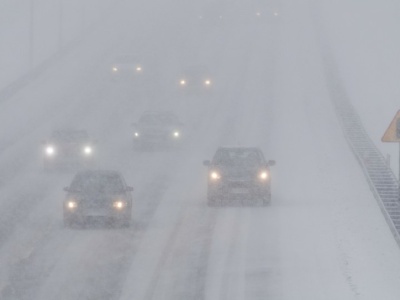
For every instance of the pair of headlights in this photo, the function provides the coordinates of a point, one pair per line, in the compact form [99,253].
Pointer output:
[118,205]
[215,175]
[175,134]
[137,68]
[207,82]
[51,150]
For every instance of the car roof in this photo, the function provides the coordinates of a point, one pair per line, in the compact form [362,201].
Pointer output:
[239,148]
[90,173]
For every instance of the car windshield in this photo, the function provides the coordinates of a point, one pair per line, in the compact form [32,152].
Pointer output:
[158,119]
[69,136]
[237,157]
[97,183]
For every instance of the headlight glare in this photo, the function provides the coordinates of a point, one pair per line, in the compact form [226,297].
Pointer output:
[182,82]
[87,150]
[50,150]
[214,175]
[263,175]
[119,204]
[72,204]
[114,69]
[176,134]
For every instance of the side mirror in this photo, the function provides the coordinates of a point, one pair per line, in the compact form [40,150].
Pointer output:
[207,163]
[271,163]
[129,189]
[66,189]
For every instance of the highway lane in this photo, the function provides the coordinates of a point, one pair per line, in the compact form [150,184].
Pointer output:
[307,242]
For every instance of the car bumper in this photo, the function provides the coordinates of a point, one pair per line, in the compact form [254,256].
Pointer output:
[238,189]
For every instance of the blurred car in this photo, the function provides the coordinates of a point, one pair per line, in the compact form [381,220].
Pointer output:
[239,173]
[213,13]
[68,148]
[256,10]
[95,194]
[196,79]
[126,66]
[157,129]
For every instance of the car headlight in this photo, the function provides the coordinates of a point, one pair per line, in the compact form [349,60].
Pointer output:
[136,134]
[263,175]
[114,69]
[138,69]
[182,82]
[119,204]
[214,175]
[50,150]
[176,134]
[207,82]
[88,150]
[276,14]
[72,204]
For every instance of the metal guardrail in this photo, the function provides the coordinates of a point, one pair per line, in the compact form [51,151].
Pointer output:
[382,181]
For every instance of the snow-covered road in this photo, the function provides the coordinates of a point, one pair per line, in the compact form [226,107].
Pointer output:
[323,236]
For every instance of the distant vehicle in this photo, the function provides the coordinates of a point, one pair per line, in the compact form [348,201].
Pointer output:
[196,78]
[68,148]
[127,66]
[239,173]
[256,10]
[213,13]
[97,194]
[157,129]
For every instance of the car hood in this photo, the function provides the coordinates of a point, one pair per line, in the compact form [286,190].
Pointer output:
[153,128]
[238,172]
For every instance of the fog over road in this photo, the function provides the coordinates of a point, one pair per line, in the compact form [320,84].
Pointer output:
[322,237]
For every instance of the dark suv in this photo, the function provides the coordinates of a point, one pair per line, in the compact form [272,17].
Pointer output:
[239,173]
[157,129]
[68,147]
[97,194]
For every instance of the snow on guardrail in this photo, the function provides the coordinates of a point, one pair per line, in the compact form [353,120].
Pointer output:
[381,179]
